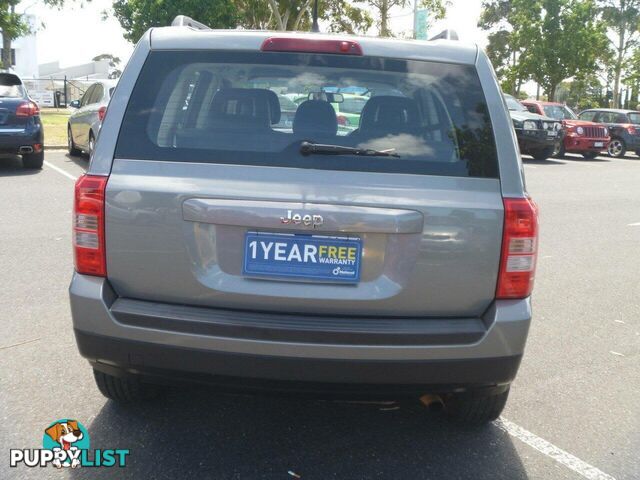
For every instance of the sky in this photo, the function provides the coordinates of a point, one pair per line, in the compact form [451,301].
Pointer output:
[77,33]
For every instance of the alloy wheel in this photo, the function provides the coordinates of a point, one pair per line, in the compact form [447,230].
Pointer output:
[615,148]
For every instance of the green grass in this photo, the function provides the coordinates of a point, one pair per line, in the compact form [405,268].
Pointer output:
[54,121]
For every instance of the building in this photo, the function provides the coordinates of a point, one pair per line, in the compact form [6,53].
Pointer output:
[24,52]
[85,71]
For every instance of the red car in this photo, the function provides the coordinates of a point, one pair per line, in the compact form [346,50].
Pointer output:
[585,138]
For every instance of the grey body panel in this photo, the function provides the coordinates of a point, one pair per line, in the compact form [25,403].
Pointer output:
[507,324]
[449,267]
[335,218]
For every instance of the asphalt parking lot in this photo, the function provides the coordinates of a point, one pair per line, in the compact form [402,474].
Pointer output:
[574,410]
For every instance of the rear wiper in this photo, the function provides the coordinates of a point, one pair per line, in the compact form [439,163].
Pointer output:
[308,148]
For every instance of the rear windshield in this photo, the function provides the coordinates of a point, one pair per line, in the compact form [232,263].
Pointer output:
[253,108]
[559,112]
[635,118]
[10,86]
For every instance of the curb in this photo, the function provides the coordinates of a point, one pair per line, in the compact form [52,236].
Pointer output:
[55,147]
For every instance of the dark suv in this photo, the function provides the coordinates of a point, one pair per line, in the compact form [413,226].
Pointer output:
[623,125]
[538,135]
[20,127]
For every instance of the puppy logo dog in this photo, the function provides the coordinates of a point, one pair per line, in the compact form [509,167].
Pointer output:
[65,434]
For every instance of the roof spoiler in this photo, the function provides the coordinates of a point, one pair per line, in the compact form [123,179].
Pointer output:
[447,34]
[184,21]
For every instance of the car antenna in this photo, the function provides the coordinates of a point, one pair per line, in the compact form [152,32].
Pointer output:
[314,26]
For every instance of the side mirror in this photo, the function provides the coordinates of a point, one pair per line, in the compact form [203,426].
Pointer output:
[75,104]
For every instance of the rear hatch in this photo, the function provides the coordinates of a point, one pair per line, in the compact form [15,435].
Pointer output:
[213,201]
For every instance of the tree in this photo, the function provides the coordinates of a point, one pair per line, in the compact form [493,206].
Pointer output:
[570,41]
[622,17]
[548,41]
[509,43]
[114,63]
[137,16]
[437,9]
[15,25]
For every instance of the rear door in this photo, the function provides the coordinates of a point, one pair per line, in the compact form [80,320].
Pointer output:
[209,191]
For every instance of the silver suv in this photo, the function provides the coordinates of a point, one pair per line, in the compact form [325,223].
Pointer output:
[215,243]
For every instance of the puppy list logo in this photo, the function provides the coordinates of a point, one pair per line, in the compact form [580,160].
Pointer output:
[66,444]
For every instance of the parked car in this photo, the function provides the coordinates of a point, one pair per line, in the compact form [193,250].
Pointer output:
[21,131]
[538,135]
[349,110]
[623,126]
[580,136]
[84,123]
[394,260]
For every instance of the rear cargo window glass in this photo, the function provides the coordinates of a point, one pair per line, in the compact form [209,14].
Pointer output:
[253,108]
[10,86]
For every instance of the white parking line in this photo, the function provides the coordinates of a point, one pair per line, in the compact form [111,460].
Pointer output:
[60,171]
[637,224]
[550,450]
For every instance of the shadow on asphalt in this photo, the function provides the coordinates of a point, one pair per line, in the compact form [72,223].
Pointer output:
[80,160]
[11,166]
[203,434]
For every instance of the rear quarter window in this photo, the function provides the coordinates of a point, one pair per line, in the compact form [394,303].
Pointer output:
[254,108]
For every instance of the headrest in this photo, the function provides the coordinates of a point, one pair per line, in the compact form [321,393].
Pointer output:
[315,117]
[389,114]
[248,107]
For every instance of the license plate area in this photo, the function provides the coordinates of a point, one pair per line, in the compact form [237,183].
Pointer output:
[598,144]
[305,257]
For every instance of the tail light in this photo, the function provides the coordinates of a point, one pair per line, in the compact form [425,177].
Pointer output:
[27,109]
[88,225]
[102,111]
[311,45]
[519,248]
[342,120]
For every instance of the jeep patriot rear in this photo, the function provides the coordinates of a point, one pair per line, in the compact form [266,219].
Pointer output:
[215,242]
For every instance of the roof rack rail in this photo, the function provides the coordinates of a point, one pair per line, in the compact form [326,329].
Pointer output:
[184,21]
[447,34]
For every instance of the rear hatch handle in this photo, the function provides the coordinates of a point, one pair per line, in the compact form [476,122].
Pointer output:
[299,216]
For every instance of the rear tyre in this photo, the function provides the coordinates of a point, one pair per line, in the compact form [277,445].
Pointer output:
[616,148]
[124,390]
[71,146]
[475,409]
[590,155]
[33,161]
[543,153]
[92,144]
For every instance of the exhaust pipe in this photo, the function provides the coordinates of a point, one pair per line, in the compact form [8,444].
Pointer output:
[26,149]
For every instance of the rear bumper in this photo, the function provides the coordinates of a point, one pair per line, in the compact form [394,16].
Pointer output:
[124,337]
[10,142]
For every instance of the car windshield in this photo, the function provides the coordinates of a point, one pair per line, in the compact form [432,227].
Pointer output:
[11,86]
[513,104]
[257,109]
[634,117]
[559,112]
